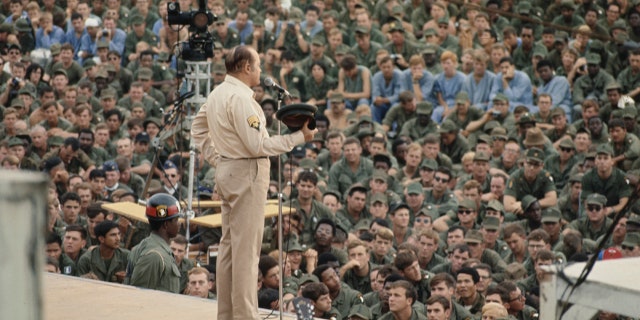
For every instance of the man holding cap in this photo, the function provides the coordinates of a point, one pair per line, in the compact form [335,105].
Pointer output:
[530,180]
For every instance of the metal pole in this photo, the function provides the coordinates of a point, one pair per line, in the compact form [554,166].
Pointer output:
[280,235]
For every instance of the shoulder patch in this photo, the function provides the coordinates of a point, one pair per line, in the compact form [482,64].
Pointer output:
[254,122]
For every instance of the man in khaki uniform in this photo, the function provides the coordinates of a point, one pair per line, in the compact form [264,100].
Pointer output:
[230,132]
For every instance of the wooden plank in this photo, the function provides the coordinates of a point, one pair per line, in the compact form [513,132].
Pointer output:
[68,297]
[215,220]
[136,212]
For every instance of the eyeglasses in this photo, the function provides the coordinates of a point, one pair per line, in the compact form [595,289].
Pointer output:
[465,212]
[565,149]
[594,208]
[443,180]
[421,220]
[520,297]
[630,248]
[490,230]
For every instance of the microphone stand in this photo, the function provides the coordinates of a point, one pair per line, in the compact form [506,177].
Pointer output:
[281,96]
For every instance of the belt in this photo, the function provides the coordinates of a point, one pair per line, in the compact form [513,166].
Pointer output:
[253,158]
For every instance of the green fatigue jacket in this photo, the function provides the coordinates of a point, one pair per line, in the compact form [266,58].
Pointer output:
[68,266]
[398,116]
[555,135]
[387,259]
[494,260]
[614,187]
[518,186]
[267,41]
[486,185]
[528,313]
[630,148]
[319,91]
[473,114]
[512,258]
[529,283]
[341,177]
[414,316]
[136,183]
[476,307]
[342,256]
[443,267]
[498,164]
[368,58]
[306,63]
[63,124]
[74,71]
[310,219]
[444,204]
[132,40]
[103,269]
[408,49]
[184,267]
[346,299]
[552,165]
[98,155]
[629,81]
[346,221]
[412,129]
[152,266]
[588,230]
[502,249]
[370,299]
[81,160]
[585,85]
[360,284]
[324,160]
[295,80]
[522,58]
[151,106]
[420,16]
[435,261]
[459,312]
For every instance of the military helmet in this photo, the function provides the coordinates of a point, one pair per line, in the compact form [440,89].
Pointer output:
[162,207]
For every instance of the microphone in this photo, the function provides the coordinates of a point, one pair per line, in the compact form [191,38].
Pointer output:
[270,83]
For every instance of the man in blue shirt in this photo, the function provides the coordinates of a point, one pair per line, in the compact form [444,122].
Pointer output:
[75,34]
[385,88]
[514,84]
[242,25]
[556,86]
[48,33]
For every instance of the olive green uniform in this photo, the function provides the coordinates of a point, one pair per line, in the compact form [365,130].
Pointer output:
[360,284]
[587,229]
[412,129]
[369,58]
[561,177]
[310,219]
[586,85]
[341,177]
[346,299]
[105,270]
[518,186]
[629,81]
[132,40]
[630,148]
[152,266]
[74,72]
[613,188]
[398,116]
[80,161]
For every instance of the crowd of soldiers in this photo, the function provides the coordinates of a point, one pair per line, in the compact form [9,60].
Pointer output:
[461,144]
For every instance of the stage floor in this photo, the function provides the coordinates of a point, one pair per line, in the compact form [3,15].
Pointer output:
[75,298]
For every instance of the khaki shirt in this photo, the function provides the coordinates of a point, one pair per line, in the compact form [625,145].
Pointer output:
[236,128]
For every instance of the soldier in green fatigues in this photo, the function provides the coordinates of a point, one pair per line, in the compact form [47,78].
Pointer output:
[530,180]
[422,125]
[452,142]
[400,45]
[595,223]
[468,296]
[107,261]
[350,169]
[144,75]
[310,210]
[626,146]
[356,271]
[629,78]
[606,180]
[179,247]
[560,165]
[151,263]
[73,158]
[400,113]
[343,298]
[140,33]
[365,48]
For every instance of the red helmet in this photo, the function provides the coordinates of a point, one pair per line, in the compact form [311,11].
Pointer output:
[162,206]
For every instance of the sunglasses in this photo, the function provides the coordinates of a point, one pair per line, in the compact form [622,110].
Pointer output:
[465,212]
[565,149]
[594,208]
[421,220]
[627,248]
[443,180]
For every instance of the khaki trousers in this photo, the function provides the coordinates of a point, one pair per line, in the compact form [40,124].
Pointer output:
[242,185]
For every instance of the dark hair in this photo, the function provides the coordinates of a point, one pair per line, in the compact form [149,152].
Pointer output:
[404,259]
[312,8]
[266,297]
[470,271]
[95,209]
[314,290]
[53,238]
[447,278]
[112,112]
[77,228]
[237,58]
[321,269]
[34,67]
[76,16]
[288,56]
[326,221]
[103,228]
[348,62]
[86,130]
[506,59]
[504,295]
[70,196]
[617,123]
[410,290]
[308,176]
[380,222]
[97,173]
[319,64]
[446,304]
[544,63]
